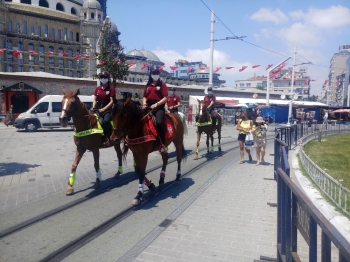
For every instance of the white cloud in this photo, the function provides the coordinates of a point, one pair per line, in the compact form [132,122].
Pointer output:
[300,34]
[267,15]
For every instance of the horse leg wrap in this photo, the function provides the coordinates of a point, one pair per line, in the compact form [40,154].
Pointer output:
[72,178]
[197,151]
[147,182]
[178,172]
[120,170]
[140,188]
[212,148]
[99,175]
[134,163]
[162,173]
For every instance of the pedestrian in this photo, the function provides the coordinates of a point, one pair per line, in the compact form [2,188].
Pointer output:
[325,118]
[259,132]
[244,126]
[173,101]
[155,97]
[103,102]
[209,100]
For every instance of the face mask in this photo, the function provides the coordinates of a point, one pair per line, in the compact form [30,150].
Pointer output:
[103,80]
[155,77]
[171,93]
[210,93]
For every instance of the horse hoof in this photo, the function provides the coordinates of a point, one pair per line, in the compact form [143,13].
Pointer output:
[69,190]
[152,188]
[178,180]
[195,156]
[161,181]
[117,175]
[137,200]
[97,184]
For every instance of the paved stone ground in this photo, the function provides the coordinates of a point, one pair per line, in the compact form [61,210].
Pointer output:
[230,221]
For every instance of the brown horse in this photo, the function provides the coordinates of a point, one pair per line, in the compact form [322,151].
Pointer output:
[131,122]
[87,136]
[205,126]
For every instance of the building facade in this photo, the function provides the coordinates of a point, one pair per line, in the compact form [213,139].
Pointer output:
[53,36]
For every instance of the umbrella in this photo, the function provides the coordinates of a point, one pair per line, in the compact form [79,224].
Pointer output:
[342,111]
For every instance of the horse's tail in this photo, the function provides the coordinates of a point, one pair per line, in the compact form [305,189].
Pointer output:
[125,151]
[185,126]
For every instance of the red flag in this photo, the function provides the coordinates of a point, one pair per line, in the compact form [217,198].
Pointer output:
[313,80]
[144,66]
[118,62]
[50,53]
[131,64]
[32,52]
[325,82]
[100,62]
[272,76]
[87,57]
[77,57]
[229,67]
[217,69]
[189,70]
[16,53]
[243,67]
[1,51]
[255,66]
[202,68]
[305,81]
[268,66]
[173,67]
[161,67]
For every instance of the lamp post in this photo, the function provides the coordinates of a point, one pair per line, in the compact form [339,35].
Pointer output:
[291,89]
[268,80]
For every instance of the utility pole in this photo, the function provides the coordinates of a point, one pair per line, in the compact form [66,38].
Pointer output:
[211,48]
[291,89]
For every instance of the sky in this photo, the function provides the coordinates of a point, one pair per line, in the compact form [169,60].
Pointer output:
[180,29]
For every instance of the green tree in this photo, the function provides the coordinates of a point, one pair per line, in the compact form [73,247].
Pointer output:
[313,98]
[111,56]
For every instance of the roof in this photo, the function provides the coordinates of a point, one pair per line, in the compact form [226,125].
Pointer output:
[21,87]
[43,74]
[149,55]
[94,4]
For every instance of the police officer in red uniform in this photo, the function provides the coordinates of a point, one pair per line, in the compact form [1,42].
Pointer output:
[103,102]
[173,101]
[209,101]
[155,97]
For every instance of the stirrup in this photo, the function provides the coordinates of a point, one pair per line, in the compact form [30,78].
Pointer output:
[106,142]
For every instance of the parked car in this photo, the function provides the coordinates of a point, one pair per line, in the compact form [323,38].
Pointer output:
[45,113]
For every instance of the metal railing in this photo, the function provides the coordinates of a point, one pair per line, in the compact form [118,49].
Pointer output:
[329,186]
[296,212]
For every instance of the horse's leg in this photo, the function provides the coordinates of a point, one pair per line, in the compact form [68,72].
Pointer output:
[212,143]
[78,155]
[197,144]
[165,158]
[120,160]
[207,142]
[179,151]
[141,164]
[219,137]
[96,154]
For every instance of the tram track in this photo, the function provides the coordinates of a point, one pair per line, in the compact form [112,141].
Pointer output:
[48,214]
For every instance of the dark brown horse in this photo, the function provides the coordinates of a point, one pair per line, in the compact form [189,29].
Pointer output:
[131,122]
[87,136]
[205,126]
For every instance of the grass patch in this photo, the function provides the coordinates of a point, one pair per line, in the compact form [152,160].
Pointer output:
[332,155]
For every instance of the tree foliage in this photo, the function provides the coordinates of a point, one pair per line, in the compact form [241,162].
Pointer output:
[111,57]
[313,98]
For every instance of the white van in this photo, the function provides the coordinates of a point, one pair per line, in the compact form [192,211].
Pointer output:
[45,113]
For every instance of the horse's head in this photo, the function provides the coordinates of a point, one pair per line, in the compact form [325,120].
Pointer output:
[202,109]
[125,115]
[70,103]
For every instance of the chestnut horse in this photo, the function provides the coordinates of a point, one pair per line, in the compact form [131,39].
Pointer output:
[85,120]
[205,126]
[131,122]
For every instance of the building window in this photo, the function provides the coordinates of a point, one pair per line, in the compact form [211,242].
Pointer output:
[70,73]
[32,32]
[46,30]
[92,15]
[51,61]
[31,59]
[18,28]
[39,30]
[24,27]
[73,11]
[241,85]
[249,84]
[9,26]
[60,62]
[78,74]
[31,69]
[78,64]
[51,49]
[20,68]
[52,33]
[28,2]
[9,44]
[41,60]
[20,46]
[84,15]
[70,52]
[77,37]
[42,69]
[51,70]
[41,49]
[70,63]
[59,36]
[44,3]
[65,33]
[99,17]
[70,36]
[59,7]
[9,68]
[60,50]
[30,47]
[60,72]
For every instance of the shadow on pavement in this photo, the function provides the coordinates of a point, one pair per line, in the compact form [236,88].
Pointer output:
[12,168]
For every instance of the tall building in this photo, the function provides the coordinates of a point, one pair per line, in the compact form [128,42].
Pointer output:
[103,4]
[57,37]
[338,73]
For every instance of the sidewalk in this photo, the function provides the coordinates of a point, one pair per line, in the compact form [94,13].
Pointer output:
[229,221]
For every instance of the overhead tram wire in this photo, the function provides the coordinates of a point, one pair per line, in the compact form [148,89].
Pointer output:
[256,44]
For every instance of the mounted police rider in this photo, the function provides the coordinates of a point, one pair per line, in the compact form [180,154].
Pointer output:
[103,102]
[209,101]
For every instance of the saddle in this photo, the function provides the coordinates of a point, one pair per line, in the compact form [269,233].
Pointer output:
[151,123]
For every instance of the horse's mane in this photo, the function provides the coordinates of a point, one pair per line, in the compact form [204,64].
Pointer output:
[204,111]
[134,109]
